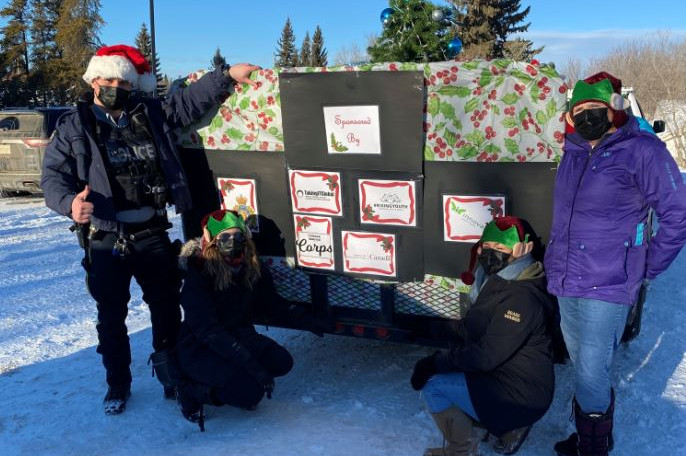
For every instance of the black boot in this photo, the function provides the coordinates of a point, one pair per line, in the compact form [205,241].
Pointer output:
[115,399]
[191,407]
[595,430]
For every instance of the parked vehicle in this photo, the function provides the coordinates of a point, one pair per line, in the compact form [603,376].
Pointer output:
[24,134]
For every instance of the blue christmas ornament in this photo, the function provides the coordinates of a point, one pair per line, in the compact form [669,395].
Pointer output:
[386,15]
[454,47]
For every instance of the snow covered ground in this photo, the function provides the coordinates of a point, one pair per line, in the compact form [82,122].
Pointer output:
[345,396]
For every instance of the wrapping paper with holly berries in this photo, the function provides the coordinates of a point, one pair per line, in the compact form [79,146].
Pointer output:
[477,110]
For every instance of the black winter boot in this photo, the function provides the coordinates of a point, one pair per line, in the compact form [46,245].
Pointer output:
[594,433]
[115,399]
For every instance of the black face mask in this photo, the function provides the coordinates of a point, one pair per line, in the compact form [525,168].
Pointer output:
[493,260]
[592,124]
[113,98]
[231,245]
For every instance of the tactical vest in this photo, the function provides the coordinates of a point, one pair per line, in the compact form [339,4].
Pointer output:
[133,164]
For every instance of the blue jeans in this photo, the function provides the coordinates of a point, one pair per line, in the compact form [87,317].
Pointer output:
[446,390]
[592,330]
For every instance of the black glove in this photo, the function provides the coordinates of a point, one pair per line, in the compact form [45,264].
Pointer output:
[423,370]
[262,377]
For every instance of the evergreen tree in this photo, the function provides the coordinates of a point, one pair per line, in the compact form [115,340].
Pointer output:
[411,35]
[476,18]
[306,52]
[486,26]
[144,44]
[318,51]
[15,56]
[44,51]
[218,60]
[286,54]
[77,39]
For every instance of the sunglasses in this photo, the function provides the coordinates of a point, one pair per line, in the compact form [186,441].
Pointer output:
[225,241]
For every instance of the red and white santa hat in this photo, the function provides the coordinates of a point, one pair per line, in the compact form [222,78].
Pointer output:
[121,62]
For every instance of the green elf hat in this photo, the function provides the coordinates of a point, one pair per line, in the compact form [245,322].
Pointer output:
[508,231]
[601,91]
[218,221]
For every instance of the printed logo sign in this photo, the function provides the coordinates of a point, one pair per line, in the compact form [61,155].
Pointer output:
[352,129]
[464,217]
[315,192]
[369,253]
[313,242]
[238,195]
[387,202]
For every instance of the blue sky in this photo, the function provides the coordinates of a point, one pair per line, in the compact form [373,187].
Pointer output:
[188,32]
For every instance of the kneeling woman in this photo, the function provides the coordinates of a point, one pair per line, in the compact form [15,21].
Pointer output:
[222,358]
[499,373]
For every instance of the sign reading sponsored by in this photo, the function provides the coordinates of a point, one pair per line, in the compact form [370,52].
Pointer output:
[369,253]
[464,217]
[314,242]
[352,130]
[315,192]
[387,202]
[239,195]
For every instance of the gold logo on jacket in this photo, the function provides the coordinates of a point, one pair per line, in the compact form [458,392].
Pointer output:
[514,316]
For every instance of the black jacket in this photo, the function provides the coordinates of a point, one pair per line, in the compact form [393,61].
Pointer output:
[217,334]
[503,345]
[71,158]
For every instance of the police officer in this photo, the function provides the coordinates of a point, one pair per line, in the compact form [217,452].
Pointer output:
[113,168]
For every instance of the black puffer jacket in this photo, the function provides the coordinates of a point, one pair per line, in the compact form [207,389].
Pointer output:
[503,345]
[217,335]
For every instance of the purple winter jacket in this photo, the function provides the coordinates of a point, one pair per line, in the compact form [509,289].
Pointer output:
[598,244]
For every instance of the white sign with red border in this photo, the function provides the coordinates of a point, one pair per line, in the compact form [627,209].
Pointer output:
[387,202]
[315,192]
[239,195]
[352,130]
[464,217]
[369,253]
[314,242]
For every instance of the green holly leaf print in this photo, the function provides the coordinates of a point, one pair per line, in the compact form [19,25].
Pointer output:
[457,124]
[551,109]
[522,76]
[477,137]
[511,146]
[541,118]
[523,114]
[245,103]
[471,105]
[408,66]
[471,65]
[217,122]
[535,91]
[428,153]
[244,146]
[261,101]
[491,149]
[467,152]
[486,77]
[455,91]
[449,137]
[234,133]
[502,63]
[510,122]
[433,106]
[448,110]
[510,99]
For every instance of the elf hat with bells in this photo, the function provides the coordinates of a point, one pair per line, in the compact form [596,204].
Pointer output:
[508,231]
[604,88]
